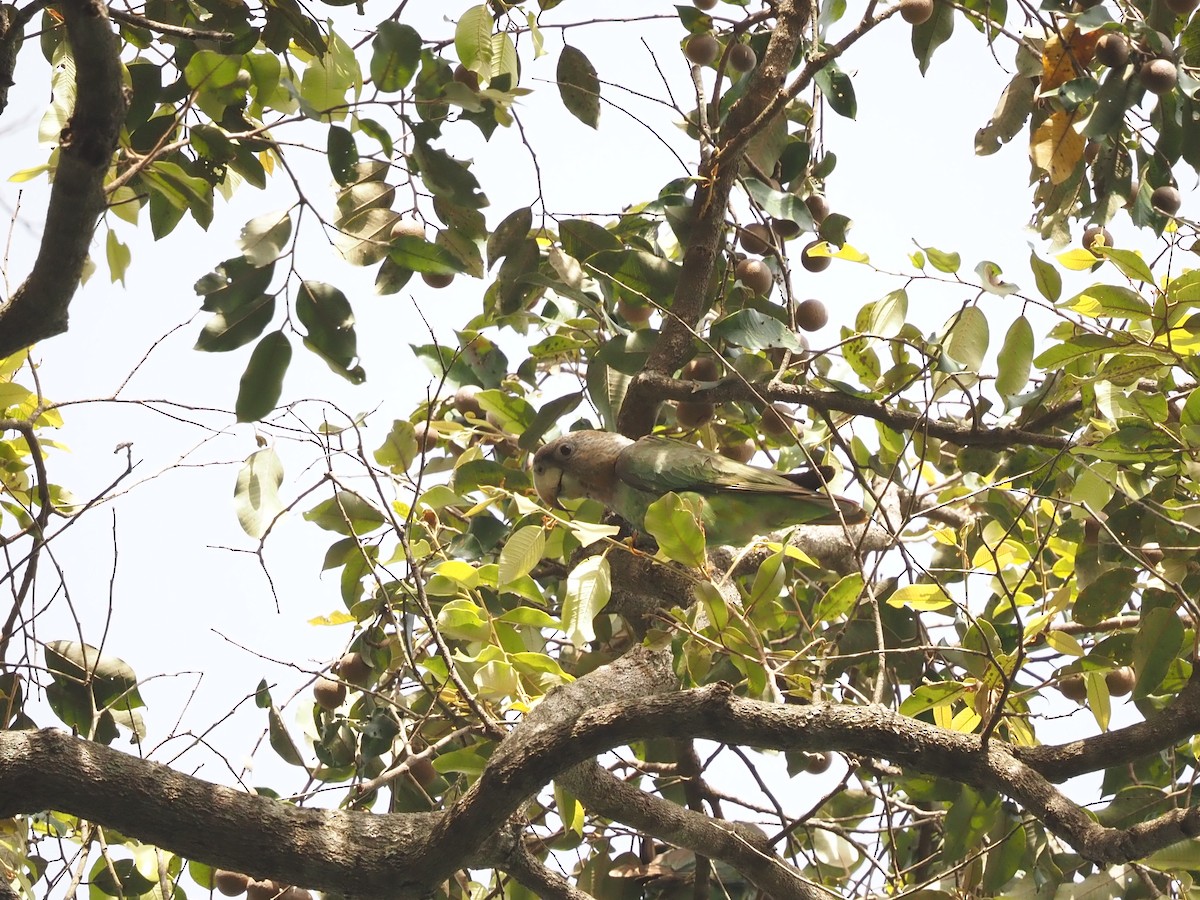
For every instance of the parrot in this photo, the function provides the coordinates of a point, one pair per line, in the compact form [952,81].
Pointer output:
[737,502]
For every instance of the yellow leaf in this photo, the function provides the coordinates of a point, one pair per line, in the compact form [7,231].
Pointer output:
[1056,147]
[921,597]
[1077,260]
[1064,643]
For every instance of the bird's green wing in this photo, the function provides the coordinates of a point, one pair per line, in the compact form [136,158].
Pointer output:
[655,465]
[659,464]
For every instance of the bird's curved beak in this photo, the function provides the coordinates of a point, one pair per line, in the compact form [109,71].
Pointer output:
[547,481]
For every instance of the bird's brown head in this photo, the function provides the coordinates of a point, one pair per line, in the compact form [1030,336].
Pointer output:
[578,464]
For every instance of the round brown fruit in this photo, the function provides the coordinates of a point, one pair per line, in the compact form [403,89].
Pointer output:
[786,228]
[1152,552]
[702,368]
[694,413]
[1091,150]
[704,4]
[1113,50]
[1073,687]
[811,315]
[463,75]
[635,313]
[818,207]
[813,263]
[407,228]
[465,402]
[756,276]
[1096,232]
[1182,7]
[262,890]
[916,12]
[437,280]
[757,239]
[777,420]
[1120,681]
[231,884]
[1166,199]
[352,667]
[702,49]
[742,451]
[742,58]
[1158,76]
[816,763]
[328,693]
[427,438]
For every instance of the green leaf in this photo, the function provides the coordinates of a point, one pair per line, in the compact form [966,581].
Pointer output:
[118,256]
[1077,347]
[920,597]
[233,328]
[888,314]
[281,741]
[395,55]
[1156,646]
[325,312]
[400,448]
[1104,300]
[346,513]
[931,696]
[931,34]
[943,261]
[1046,277]
[840,599]
[262,382]
[473,36]
[838,90]
[638,274]
[263,238]
[1105,596]
[446,176]
[521,553]
[256,497]
[509,234]
[589,587]
[1129,262]
[754,330]
[578,86]
[342,153]
[233,283]
[549,414]
[967,340]
[1015,358]
[768,581]
[111,680]
[419,255]
[675,525]
[582,239]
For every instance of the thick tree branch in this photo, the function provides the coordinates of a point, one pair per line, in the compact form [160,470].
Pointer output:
[1178,722]
[717,175]
[663,387]
[38,307]
[739,844]
[634,698]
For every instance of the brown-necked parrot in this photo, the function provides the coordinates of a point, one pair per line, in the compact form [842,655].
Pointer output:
[736,501]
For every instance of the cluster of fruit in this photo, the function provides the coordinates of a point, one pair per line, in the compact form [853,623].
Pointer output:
[234,884]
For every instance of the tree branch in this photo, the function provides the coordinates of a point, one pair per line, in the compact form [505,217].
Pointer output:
[38,307]
[663,387]
[741,845]
[372,855]
[717,175]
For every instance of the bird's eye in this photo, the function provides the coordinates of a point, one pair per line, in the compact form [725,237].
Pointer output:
[565,450]
[539,469]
